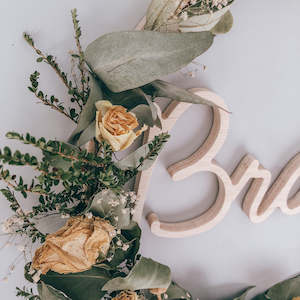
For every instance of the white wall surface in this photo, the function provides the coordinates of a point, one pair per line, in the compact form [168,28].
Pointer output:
[255,68]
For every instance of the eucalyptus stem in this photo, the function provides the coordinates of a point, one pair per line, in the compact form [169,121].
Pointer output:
[81,64]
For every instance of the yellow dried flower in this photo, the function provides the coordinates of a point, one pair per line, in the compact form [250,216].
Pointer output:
[75,247]
[296,298]
[115,125]
[126,295]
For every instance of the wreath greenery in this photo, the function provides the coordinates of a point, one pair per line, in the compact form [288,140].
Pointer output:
[112,94]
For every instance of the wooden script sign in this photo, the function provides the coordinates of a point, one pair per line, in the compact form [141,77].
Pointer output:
[261,199]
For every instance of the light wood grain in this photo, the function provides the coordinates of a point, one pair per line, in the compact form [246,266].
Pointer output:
[260,200]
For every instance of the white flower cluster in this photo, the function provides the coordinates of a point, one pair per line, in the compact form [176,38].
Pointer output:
[12,224]
[219,4]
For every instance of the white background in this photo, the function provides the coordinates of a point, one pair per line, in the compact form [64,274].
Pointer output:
[255,68]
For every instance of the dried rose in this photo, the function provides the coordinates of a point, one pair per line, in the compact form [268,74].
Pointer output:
[75,247]
[126,295]
[115,125]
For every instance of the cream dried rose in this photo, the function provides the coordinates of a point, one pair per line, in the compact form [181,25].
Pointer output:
[75,247]
[115,125]
[126,295]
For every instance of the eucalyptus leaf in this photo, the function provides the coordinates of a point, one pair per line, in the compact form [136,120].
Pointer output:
[177,292]
[146,274]
[144,114]
[202,22]
[107,204]
[133,160]
[129,99]
[159,13]
[87,134]
[131,236]
[244,294]
[127,60]
[58,161]
[160,88]
[88,113]
[47,292]
[224,25]
[285,290]
[85,285]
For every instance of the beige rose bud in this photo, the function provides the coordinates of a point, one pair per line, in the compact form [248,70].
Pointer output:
[296,298]
[75,247]
[126,295]
[115,125]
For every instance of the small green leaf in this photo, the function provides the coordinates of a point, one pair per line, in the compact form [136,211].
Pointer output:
[127,60]
[244,294]
[159,13]
[108,204]
[47,292]
[146,274]
[136,159]
[144,115]
[85,285]
[88,113]
[285,290]
[87,134]
[160,88]
[224,25]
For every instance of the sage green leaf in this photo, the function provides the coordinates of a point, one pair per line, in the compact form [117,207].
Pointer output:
[58,161]
[144,115]
[88,113]
[107,204]
[160,88]
[174,292]
[244,294]
[127,60]
[130,236]
[85,285]
[146,274]
[177,292]
[285,290]
[204,22]
[224,25]
[133,160]
[87,134]
[47,292]
[159,13]
[129,99]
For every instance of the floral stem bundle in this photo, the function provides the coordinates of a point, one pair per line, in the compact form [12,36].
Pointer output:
[112,96]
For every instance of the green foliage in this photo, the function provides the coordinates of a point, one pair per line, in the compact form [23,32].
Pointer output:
[224,25]
[146,274]
[84,78]
[284,290]
[85,285]
[27,294]
[144,157]
[47,292]
[78,95]
[88,113]
[159,14]
[160,88]
[145,56]
[244,294]
[52,102]
[109,205]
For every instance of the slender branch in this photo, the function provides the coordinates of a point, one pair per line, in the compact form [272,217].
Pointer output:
[47,59]
[53,106]
[18,209]
[81,67]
